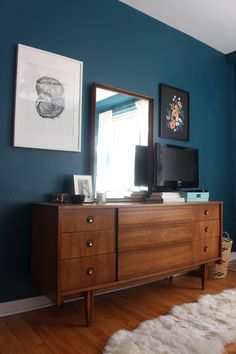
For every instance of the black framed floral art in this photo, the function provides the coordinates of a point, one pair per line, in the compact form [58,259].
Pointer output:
[174,113]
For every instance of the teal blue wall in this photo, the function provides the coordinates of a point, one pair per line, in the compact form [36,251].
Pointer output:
[120,47]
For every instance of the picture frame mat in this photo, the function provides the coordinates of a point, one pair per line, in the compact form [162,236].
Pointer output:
[25,136]
[88,178]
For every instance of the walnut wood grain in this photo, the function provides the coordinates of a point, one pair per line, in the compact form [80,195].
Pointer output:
[152,216]
[45,248]
[206,212]
[206,249]
[204,273]
[132,238]
[79,249]
[131,264]
[206,229]
[87,219]
[82,272]
[89,305]
[84,244]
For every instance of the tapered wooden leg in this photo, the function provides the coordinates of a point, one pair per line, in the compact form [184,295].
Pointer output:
[203,269]
[171,278]
[89,305]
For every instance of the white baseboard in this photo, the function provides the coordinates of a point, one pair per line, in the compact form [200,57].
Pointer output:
[28,304]
[35,303]
[18,306]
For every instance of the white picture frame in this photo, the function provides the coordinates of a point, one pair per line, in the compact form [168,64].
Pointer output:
[48,101]
[83,185]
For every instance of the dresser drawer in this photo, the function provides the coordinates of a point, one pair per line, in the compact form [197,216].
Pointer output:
[88,271]
[153,216]
[204,250]
[87,220]
[206,212]
[139,238]
[87,243]
[148,262]
[206,229]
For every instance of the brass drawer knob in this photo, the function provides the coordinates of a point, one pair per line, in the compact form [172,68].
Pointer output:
[90,219]
[90,271]
[90,243]
[206,249]
[206,211]
[206,229]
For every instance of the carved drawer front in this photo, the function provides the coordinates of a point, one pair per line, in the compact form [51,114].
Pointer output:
[87,219]
[89,271]
[206,229]
[90,243]
[144,237]
[204,250]
[148,262]
[153,216]
[206,212]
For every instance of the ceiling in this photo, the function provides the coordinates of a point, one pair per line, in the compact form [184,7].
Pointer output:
[210,21]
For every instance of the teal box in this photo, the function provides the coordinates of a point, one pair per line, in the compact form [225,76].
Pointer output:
[195,196]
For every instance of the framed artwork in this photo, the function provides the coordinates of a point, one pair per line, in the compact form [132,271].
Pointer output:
[48,101]
[174,113]
[84,185]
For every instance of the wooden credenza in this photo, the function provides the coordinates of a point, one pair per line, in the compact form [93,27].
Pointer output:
[78,249]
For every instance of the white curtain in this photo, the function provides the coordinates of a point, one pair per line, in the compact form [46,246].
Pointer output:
[117,137]
[104,144]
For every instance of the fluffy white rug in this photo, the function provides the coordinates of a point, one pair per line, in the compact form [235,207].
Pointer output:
[202,327]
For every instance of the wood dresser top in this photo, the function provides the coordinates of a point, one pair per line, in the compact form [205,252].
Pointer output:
[122,205]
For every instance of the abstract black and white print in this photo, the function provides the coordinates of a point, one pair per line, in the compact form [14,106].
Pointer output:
[50,102]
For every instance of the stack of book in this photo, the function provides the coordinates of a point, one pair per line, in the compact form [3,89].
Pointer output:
[138,196]
[172,197]
[154,198]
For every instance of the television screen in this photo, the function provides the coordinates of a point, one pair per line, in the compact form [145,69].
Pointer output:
[175,167]
[141,166]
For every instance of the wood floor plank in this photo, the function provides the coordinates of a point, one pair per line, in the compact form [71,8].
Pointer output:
[27,337]
[22,330]
[63,334]
[9,343]
[62,330]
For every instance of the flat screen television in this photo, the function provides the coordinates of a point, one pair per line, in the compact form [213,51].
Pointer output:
[175,167]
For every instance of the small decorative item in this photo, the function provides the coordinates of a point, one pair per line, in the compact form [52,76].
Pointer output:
[60,198]
[174,113]
[101,197]
[48,100]
[77,198]
[83,185]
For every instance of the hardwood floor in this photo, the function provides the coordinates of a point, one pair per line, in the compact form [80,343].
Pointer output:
[62,331]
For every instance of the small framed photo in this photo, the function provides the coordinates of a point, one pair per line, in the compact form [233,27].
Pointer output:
[83,185]
[174,113]
[48,100]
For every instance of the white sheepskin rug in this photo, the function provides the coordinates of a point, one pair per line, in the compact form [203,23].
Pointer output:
[202,327]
